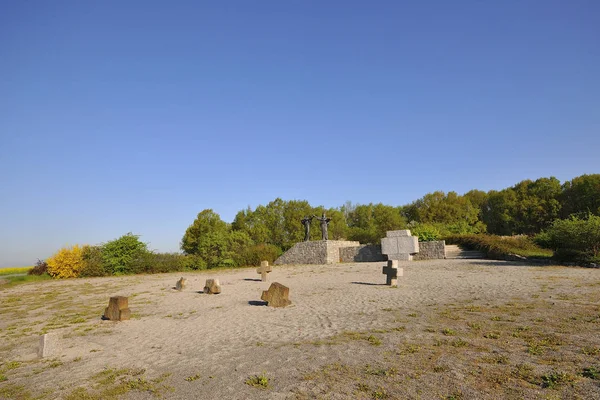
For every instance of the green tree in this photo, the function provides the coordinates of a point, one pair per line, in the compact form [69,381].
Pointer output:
[206,227]
[119,255]
[581,196]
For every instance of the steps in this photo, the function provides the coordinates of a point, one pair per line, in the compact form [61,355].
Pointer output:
[453,251]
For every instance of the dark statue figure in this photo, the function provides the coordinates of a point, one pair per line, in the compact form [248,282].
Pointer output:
[306,222]
[324,221]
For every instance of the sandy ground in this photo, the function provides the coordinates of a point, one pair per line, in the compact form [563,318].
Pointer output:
[199,346]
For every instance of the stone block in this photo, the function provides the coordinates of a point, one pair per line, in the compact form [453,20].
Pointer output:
[49,345]
[180,285]
[118,309]
[212,286]
[389,246]
[277,295]
[408,244]
[400,233]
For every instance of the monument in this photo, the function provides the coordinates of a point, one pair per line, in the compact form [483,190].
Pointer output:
[324,221]
[399,245]
[306,221]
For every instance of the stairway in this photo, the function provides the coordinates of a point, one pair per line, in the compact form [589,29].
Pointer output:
[453,251]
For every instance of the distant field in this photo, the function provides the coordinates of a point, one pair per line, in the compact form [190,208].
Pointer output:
[16,270]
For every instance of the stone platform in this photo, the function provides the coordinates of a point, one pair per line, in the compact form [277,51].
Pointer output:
[315,252]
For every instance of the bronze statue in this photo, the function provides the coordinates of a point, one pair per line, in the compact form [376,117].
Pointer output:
[306,222]
[324,221]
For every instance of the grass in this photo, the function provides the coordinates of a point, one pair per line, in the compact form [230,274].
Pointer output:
[19,279]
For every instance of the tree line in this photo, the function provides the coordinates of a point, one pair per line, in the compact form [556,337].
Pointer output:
[528,208]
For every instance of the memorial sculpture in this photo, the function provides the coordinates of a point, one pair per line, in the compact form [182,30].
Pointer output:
[324,221]
[306,222]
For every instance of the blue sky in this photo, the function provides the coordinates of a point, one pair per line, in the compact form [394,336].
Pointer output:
[135,116]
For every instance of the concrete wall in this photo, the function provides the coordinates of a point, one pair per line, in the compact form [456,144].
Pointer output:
[315,252]
[363,253]
[431,250]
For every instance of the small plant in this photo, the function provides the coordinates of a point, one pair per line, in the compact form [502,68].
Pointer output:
[3,377]
[524,372]
[441,368]
[193,378]
[496,318]
[413,315]
[380,394]
[412,348]
[591,351]
[363,387]
[556,378]
[448,332]
[260,381]
[591,372]
[474,325]
[459,343]
[374,340]
[492,335]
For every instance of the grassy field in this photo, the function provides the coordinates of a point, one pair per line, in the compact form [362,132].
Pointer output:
[15,270]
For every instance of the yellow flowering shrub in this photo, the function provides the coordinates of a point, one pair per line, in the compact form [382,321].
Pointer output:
[67,262]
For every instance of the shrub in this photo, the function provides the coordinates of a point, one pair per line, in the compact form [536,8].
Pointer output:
[573,239]
[92,262]
[193,262]
[40,268]
[118,255]
[154,263]
[66,263]
[499,247]
[426,232]
[255,254]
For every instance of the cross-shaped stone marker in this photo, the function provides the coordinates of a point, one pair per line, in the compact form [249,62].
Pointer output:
[263,270]
[392,273]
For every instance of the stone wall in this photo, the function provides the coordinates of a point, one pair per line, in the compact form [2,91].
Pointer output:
[431,250]
[315,252]
[363,253]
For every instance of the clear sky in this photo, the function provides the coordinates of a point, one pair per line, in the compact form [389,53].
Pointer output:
[133,116]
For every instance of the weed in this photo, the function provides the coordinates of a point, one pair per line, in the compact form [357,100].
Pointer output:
[441,368]
[363,387]
[380,394]
[3,377]
[475,326]
[260,381]
[374,340]
[411,348]
[556,378]
[448,332]
[459,343]
[492,335]
[413,315]
[192,378]
[591,372]
[591,351]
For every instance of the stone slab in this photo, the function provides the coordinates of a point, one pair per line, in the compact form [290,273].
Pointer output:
[49,345]
[408,244]
[315,252]
[400,257]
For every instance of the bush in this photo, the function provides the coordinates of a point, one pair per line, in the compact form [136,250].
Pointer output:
[155,263]
[193,262]
[66,263]
[40,268]
[255,254]
[118,255]
[499,247]
[425,232]
[92,262]
[573,239]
